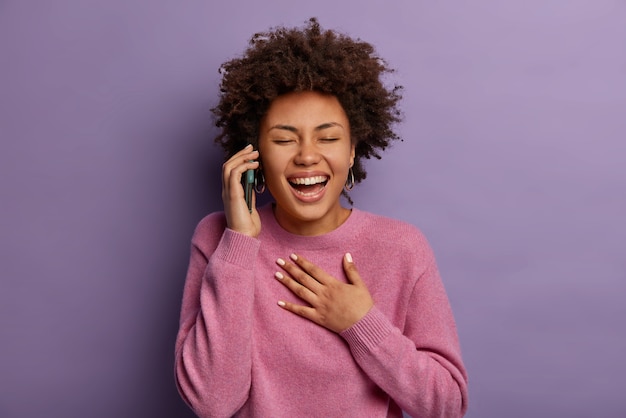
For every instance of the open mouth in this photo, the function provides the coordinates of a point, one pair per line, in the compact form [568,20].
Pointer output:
[308,186]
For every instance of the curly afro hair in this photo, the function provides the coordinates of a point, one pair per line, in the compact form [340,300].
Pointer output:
[285,60]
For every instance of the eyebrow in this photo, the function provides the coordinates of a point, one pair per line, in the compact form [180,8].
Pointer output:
[293,129]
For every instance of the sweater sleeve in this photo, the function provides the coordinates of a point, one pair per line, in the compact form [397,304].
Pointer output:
[213,346]
[421,368]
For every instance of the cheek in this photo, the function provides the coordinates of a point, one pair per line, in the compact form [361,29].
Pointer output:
[274,180]
[341,162]
[271,176]
[272,169]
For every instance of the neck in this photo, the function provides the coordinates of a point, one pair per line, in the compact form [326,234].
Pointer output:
[312,227]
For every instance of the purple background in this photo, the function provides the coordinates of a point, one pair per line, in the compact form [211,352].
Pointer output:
[512,165]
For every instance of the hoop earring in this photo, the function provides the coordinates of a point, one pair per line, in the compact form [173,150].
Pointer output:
[259,182]
[349,181]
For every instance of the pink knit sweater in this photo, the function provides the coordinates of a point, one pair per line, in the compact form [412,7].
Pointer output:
[239,354]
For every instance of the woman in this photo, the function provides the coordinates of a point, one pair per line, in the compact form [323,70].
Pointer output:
[303,307]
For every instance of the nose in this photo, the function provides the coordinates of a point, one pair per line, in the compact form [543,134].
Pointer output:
[307,154]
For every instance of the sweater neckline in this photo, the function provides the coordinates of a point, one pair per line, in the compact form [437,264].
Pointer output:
[335,238]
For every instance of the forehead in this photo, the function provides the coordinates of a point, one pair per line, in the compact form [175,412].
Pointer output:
[304,109]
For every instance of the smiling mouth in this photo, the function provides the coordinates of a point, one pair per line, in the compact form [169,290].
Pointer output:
[308,186]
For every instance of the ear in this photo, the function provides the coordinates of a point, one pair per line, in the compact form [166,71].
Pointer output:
[352,154]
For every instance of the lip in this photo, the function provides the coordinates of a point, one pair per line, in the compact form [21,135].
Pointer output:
[309,197]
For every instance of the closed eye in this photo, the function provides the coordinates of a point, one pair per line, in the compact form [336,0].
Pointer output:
[282,141]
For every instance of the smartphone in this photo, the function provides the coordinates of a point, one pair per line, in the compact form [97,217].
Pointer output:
[248,187]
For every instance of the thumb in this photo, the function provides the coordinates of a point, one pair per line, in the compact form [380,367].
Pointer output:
[350,269]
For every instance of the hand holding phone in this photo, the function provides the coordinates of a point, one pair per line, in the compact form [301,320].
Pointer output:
[238,192]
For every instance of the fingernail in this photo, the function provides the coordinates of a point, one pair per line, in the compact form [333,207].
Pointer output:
[349,257]
[293,257]
[281,303]
[279,275]
[280,262]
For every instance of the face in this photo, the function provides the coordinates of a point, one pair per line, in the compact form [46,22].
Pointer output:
[306,153]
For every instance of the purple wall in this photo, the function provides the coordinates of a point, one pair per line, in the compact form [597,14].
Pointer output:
[512,165]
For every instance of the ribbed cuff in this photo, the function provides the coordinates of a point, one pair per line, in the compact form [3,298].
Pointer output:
[366,334]
[238,249]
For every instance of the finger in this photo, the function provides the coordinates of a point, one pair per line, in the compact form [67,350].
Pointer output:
[351,271]
[240,162]
[231,162]
[301,291]
[298,276]
[310,269]
[235,176]
[233,172]
[303,311]
[244,156]
[253,201]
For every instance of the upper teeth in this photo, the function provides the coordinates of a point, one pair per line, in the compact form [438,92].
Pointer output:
[307,181]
